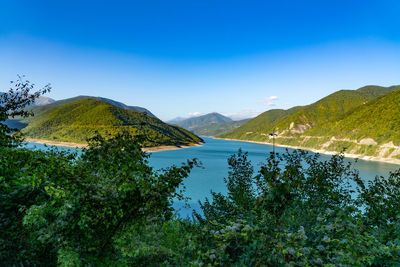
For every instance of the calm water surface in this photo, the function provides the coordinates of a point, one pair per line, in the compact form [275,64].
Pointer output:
[214,154]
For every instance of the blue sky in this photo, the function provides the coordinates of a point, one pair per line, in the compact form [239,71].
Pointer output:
[192,57]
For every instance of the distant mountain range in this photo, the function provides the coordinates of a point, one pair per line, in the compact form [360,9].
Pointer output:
[208,125]
[40,101]
[365,121]
[176,120]
[218,128]
[43,100]
[76,119]
[200,121]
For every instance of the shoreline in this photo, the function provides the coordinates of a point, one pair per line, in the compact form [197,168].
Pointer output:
[322,151]
[78,145]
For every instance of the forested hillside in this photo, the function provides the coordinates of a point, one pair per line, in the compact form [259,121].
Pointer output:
[359,120]
[75,120]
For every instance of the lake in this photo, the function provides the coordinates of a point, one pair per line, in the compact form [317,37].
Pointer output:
[214,154]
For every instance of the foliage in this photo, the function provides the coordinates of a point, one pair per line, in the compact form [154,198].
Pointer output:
[382,124]
[12,104]
[301,212]
[61,208]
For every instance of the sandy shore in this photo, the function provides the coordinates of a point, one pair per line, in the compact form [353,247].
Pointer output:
[163,148]
[78,145]
[322,151]
[55,143]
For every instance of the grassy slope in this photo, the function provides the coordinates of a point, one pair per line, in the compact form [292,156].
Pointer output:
[332,107]
[218,128]
[75,121]
[378,119]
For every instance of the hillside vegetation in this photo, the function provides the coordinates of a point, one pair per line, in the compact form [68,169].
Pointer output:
[360,120]
[75,120]
[37,109]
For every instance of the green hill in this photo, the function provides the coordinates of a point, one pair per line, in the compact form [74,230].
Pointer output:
[371,129]
[37,110]
[329,108]
[350,116]
[297,120]
[74,120]
[208,119]
[218,128]
[378,119]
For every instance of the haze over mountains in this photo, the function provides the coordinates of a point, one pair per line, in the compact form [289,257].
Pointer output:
[364,121]
[43,100]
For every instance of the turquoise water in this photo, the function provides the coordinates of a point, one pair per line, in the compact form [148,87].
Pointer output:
[214,154]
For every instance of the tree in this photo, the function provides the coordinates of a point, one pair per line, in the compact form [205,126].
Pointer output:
[13,104]
[16,192]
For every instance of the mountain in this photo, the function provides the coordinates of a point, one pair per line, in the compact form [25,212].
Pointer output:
[372,128]
[76,119]
[349,117]
[329,108]
[38,109]
[40,101]
[43,100]
[195,122]
[218,128]
[176,120]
